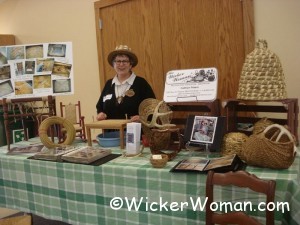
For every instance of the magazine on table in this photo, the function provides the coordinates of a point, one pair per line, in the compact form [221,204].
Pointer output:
[220,164]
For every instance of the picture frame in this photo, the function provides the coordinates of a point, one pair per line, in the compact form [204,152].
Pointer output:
[205,131]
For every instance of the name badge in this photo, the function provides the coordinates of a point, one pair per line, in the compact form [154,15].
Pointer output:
[107,97]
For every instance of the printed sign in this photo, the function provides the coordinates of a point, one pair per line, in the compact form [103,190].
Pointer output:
[191,85]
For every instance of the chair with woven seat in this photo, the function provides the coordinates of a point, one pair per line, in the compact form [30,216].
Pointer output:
[240,179]
[72,112]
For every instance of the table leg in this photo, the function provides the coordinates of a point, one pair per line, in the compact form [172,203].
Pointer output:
[88,134]
[122,137]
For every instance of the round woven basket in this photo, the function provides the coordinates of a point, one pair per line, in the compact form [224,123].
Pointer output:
[233,143]
[159,163]
[262,76]
[146,110]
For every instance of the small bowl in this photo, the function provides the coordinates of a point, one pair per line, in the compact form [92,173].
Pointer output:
[109,139]
[159,163]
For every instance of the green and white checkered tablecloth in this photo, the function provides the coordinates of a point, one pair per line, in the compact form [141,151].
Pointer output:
[84,194]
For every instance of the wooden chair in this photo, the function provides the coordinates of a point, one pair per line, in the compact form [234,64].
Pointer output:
[72,112]
[240,179]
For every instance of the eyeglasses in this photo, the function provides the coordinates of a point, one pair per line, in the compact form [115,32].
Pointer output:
[118,62]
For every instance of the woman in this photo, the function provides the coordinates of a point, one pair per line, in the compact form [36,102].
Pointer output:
[122,95]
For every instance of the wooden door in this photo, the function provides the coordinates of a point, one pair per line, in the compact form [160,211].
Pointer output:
[136,24]
[7,39]
[178,34]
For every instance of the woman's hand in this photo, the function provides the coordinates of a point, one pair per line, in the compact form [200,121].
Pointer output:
[135,118]
[101,116]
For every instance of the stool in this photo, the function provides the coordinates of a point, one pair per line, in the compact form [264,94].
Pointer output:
[107,124]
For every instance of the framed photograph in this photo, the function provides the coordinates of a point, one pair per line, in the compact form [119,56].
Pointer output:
[205,130]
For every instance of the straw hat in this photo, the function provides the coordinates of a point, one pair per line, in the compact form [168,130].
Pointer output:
[262,76]
[122,50]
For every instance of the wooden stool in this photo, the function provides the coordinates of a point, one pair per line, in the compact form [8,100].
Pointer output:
[107,124]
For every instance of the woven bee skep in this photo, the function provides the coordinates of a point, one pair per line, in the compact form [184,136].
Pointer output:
[262,76]
[43,131]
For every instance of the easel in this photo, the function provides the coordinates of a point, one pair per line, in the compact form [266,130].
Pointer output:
[37,108]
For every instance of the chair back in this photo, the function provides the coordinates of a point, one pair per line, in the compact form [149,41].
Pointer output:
[72,112]
[241,179]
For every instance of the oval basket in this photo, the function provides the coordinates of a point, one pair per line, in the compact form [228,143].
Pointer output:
[273,148]
[159,163]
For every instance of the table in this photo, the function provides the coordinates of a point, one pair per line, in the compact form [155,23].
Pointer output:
[107,124]
[82,194]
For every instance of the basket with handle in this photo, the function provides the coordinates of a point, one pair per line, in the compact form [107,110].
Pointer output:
[273,148]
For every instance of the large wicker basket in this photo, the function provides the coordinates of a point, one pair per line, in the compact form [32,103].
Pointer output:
[273,148]
[262,76]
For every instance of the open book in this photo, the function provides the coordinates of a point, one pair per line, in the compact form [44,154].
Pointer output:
[220,164]
[77,154]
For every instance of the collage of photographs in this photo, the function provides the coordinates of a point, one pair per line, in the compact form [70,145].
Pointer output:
[36,70]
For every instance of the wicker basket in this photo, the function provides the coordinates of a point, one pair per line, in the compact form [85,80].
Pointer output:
[146,110]
[262,75]
[233,143]
[159,163]
[273,148]
[260,125]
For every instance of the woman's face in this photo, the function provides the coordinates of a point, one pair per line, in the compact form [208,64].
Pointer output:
[122,65]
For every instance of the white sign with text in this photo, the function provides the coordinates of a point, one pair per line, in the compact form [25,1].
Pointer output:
[191,85]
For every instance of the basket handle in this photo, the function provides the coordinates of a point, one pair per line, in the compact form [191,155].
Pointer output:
[282,129]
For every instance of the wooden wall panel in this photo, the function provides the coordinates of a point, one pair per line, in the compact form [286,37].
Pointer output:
[204,34]
[178,34]
[135,23]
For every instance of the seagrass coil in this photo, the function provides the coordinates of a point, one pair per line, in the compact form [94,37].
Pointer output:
[262,76]
[45,125]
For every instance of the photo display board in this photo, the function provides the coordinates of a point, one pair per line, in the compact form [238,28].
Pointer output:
[191,85]
[36,70]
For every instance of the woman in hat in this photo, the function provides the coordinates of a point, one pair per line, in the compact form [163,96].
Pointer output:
[122,95]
